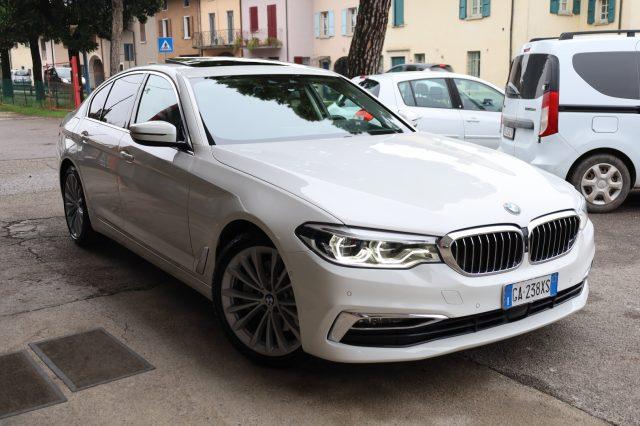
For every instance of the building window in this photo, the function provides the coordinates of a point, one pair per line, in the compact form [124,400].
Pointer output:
[166,28]
[186,3]
[564,7]
[324,24]
[398,13]
[419,58]
[473,63]
[603,11]
[352,19]
[476,8]
[186,27]
[43,49]
[397,60]
[253,19]
[165,5]
[128,52]
[230,35]
[143,32]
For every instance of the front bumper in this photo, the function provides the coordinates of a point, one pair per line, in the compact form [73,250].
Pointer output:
[324,290]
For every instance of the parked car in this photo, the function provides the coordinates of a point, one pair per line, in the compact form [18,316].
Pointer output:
[21,77]
[60,76]
[354,238]
[572,109]
[454,105]
[421,67]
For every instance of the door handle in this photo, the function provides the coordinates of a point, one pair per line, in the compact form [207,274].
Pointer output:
[127,157]
[473,120]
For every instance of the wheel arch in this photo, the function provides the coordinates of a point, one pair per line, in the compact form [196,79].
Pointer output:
[611,151]
[64,166]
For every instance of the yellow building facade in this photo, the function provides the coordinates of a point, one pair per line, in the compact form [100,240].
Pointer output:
[220,24]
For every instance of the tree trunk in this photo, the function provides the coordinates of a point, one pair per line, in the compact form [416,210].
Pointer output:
[37,67]
[368,38]
[116,35]
[7,84]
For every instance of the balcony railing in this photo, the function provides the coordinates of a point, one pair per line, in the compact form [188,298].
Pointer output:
[262,39]
[217,39]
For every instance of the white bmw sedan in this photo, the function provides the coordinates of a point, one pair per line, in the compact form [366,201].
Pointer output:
[347,236]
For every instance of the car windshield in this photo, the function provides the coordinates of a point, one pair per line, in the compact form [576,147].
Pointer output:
[262,108]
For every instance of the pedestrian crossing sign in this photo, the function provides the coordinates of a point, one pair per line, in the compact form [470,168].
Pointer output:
[165,44]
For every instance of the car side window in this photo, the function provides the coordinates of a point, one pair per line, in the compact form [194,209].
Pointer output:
[97,103]
[476,96]
[160,103]
[117,109]
[427,93]
[406,93]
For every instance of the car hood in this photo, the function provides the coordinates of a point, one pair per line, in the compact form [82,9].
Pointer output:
[416,182]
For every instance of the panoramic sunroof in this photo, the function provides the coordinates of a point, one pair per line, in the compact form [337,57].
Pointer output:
[210,62]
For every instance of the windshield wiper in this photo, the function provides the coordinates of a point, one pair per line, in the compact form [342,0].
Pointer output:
[384,131]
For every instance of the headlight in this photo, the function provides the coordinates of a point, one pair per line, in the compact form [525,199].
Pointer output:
[64,80]
[582,212]
[367,248]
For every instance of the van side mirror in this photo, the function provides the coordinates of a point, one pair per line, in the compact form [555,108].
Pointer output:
[154,133]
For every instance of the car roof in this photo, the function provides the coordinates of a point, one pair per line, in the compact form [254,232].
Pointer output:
[223,66]
[398,77]
[584,42]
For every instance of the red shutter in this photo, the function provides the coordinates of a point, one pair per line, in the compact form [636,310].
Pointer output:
[253,17]
[272,21]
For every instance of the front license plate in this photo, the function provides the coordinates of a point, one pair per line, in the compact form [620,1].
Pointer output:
[508,132]
[529,291]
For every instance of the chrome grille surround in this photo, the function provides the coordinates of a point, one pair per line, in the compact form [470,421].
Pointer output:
[483,251]
[552,236]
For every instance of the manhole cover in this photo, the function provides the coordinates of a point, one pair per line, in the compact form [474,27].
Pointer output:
[24,386]
[88,359]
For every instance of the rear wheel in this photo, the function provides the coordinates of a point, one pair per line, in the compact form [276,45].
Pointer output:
[604,180]
[254,300]
[75,208]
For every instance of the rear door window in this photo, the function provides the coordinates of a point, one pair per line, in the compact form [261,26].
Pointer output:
[426,93]
[610,73]
[531,75]
[117,109]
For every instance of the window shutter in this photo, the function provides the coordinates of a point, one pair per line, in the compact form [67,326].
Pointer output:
[398,12]
[611,16]
[331,23]
[272,25]
[463,9]
[486,8]
[160,28]
[591,13]
[169,32]
[576,7]
[555,6]
[253,19]
[344,21]
[316,24]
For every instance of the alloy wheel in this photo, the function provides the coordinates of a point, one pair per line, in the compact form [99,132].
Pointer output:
[601,184]
[74,205]
[258,302]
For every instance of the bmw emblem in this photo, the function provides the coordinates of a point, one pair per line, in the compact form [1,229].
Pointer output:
[512,208]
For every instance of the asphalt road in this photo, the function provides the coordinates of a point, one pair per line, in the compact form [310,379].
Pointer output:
[584,369]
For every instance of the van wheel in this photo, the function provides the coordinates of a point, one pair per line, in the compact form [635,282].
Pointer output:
[604,180]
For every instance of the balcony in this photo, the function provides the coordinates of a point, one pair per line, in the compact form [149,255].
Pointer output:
[222,39]
[262,39]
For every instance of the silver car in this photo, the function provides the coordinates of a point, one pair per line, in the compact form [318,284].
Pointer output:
[337,230]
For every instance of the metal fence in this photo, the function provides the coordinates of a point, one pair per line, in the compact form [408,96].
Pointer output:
[53,96]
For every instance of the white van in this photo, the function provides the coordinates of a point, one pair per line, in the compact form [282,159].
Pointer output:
[572,107]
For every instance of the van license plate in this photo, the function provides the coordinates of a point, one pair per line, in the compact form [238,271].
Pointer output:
[509,132]
[529,291]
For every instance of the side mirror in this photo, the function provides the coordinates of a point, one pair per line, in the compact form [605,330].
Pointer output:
[410,116]
[155,133]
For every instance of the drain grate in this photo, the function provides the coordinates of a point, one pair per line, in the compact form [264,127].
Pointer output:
[88,359]
[24,386]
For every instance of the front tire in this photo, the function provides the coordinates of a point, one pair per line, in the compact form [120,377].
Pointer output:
[604,181]
[75,208]
[253,298]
